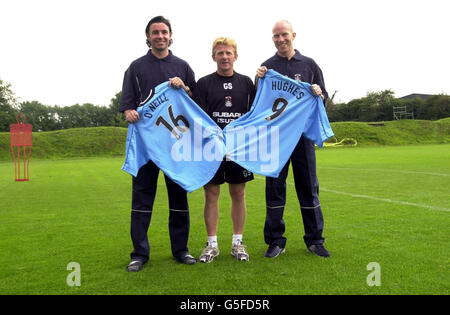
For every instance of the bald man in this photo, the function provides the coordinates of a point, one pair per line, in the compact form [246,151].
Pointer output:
[288,61]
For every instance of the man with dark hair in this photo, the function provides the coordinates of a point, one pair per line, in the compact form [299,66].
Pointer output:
[288,61]
[145,74]
[157,19]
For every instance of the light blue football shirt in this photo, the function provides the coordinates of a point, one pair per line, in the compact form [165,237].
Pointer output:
[263,140]
[178,136]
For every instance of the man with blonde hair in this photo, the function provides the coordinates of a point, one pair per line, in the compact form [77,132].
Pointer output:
[225,95]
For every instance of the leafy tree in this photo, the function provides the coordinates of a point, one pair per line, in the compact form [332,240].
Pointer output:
[42,117]
[378,106]
[117,118]
[438,106]
[8,106]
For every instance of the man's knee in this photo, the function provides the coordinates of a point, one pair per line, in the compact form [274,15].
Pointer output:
[212,192]
[237,192]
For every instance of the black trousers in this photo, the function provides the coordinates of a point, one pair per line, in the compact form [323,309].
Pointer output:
[143,196]
[303,161]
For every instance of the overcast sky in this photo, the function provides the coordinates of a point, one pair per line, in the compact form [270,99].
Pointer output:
[63,52]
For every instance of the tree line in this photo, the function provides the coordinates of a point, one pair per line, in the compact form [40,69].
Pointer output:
[375,106]
[48,118]
[378,106]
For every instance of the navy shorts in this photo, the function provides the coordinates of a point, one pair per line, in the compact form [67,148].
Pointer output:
[231,173]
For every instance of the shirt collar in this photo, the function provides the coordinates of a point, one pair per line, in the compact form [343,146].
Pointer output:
[154,58]
[297,56]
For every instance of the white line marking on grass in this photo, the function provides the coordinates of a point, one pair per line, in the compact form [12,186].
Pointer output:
[405,203]
[382,170]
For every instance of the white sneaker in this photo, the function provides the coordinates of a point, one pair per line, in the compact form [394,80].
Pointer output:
[239,252]
[209,253]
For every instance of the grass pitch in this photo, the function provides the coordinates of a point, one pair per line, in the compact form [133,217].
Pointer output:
[389,205]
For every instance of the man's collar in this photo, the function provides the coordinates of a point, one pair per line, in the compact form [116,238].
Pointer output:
[154,58]
[297,56]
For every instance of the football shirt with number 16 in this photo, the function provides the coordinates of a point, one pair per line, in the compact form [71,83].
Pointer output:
[178,136]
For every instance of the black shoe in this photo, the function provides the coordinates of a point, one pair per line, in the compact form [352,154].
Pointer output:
[135,265]
[186,259]
[274,251]
[319,250]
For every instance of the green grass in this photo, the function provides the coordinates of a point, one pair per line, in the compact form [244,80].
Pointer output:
[389,205]
[72,143]
[110,141]
[399,132]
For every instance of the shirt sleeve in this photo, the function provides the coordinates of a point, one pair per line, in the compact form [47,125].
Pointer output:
[252,94]
[318,127]
[199,95]
[190,79]
[318,79]
[130,91]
